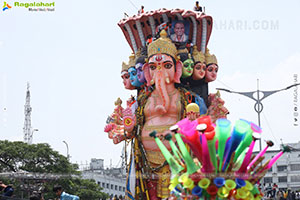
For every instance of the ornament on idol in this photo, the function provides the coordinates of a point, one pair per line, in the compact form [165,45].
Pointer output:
[192,111]
[129,119]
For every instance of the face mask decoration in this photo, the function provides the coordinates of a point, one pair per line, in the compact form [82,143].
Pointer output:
[187,68]
[199,71]
[200,64]
[211,73]
[211,68]
[187,63]
[125,76]
[140,72]
[134,77]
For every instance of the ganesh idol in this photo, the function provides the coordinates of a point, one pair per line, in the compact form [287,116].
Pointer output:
[158,110]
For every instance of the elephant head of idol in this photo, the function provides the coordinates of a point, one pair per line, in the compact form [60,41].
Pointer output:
[162,69]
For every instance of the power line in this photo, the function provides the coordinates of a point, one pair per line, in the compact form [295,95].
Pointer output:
[276,141]
[133,4]
[225,84]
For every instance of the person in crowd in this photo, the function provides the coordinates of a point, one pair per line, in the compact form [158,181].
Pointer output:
[8,190]
[269,190]
[279,195]
[63,195]
[36,197]
[197,7]
[141,11]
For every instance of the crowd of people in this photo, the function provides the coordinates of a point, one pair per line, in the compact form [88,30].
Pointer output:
[274,193]
[7,191]
[116,197]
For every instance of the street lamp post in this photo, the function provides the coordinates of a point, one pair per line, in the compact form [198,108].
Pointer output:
[68,156]
[258,106]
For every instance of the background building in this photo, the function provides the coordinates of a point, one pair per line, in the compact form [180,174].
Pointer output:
[112,180]
[286,171]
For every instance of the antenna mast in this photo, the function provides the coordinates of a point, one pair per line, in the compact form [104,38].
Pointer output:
[28,131]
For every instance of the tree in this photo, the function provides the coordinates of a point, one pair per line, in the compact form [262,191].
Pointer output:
[41,158]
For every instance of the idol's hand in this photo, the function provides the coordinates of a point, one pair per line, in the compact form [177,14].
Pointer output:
[129,120]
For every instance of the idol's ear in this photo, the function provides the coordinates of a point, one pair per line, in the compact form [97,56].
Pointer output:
[178,71]
[147,74]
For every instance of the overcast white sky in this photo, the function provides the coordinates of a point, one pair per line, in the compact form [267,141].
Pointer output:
[72,58]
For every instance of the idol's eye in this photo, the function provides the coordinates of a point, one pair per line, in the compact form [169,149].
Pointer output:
[133,73]
[204,68]
[186,65]
[197,67]
[126,76]
[152,67]
[168,65]
[216,70]
[210,69]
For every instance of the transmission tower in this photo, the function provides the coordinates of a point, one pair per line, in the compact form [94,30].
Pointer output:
[28,131]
